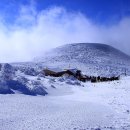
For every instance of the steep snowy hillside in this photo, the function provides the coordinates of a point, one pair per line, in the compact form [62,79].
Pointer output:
[93,58]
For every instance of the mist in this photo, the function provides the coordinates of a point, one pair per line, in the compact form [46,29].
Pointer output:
[34,33]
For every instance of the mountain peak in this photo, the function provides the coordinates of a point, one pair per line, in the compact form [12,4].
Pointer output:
[91,56]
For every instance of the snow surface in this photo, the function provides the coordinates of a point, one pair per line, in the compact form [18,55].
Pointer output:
[86,106]
[31,101]
[92,58]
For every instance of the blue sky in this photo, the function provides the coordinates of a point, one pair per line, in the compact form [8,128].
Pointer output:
[29,27]
[99,11]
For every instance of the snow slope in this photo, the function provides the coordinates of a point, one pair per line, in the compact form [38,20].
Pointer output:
[68,104]
[101,106]
[93,58]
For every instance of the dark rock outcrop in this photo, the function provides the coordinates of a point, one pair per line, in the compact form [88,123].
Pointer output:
[31,72]
[4,88]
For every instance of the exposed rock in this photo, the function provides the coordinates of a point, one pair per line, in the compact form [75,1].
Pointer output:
[22,79]
[19,86]
[53,86]
[4,89]
[7,72]
[31,71]
[38,88]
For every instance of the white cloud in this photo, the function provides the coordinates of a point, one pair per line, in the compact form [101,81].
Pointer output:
[35,32]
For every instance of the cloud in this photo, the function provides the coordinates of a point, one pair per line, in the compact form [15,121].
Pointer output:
[35,32]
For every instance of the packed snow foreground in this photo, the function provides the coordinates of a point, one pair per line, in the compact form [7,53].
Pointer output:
[29,100]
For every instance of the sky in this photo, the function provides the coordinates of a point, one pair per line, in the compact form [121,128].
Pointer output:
[28,28]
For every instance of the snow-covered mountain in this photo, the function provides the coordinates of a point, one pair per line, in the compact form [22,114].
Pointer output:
[93,58]
[64,102]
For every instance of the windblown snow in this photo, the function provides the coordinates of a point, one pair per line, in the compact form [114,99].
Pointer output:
[29,100]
